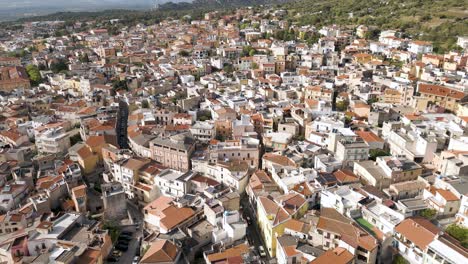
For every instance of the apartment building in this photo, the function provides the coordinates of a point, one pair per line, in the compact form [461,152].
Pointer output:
[174,151]
[244,149]
[52,140]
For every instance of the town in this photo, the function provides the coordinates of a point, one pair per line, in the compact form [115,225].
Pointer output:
[238,137]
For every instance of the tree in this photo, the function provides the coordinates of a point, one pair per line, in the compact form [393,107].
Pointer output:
[342,106]
[184,53]
[144,104]
[58,66]
[119,84]
[428,213]
[460,233]
[84,58]
[399,260]
[34,74]
[374,153]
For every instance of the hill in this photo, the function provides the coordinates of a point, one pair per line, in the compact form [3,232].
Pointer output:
[440,21]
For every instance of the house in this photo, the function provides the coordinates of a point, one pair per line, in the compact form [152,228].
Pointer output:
[271,219]
[162,251]
[13,77]
[420,47]
[164,216]
[52,140]
[444,201]
[174,151]
[337,255]
[387,170]
[203,131]
[79,198]
[334,230]
[374,141]
[233,254]
[412,238]
[440,95]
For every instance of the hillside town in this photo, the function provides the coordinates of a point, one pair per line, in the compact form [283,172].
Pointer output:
[235,138]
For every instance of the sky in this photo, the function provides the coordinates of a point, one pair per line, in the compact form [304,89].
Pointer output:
[11,9]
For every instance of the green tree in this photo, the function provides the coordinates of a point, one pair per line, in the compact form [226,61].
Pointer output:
[34,74]
[144,104]
[84,58]
[119,84]
[398,259]
[342,106]
[184,53]
[428,213]
[374,153]
[58,66]
[460,233]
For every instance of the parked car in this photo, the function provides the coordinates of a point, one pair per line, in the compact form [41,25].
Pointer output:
[262,251]
[116,253]
[112,259]
[122,247]
[135,260]
[123,242]
[127,233]
[125,237]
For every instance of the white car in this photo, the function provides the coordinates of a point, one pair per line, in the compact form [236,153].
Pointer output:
[135,260]
[262,251]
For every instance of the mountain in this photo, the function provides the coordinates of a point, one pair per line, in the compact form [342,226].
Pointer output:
[26,8]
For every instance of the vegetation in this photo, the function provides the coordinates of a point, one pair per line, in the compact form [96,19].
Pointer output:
[34,74]
[428,213]
[144,104]
[59,65]
[366,225]
[75,139]
[119,85]
[460,233]
[342,106]
[204,115]
[114,231]
[440,21]
[374,153]
[398,259]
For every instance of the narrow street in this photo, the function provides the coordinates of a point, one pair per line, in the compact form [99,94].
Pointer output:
[253,232]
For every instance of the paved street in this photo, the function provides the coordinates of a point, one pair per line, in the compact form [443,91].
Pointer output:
[134,245]
[127,257]
[253,234]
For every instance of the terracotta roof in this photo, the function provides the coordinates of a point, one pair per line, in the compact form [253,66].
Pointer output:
[161,251]
[439,90]
[337,255]
[279,159]
[297,226]
[345,176]
[448,195]
[277,213]
[84,152]
[369,136]
[418,230]
[79,191]
[238,250]
[332,221]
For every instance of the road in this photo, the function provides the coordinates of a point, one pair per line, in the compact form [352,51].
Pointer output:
[133,246]
[253,233]
[137,229]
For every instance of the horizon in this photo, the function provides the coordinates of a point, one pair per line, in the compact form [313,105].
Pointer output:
[13,10]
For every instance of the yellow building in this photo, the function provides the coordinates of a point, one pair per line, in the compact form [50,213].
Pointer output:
[87,159]
[441,96]
[273,215]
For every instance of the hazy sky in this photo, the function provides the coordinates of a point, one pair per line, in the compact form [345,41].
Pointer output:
[75,3]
